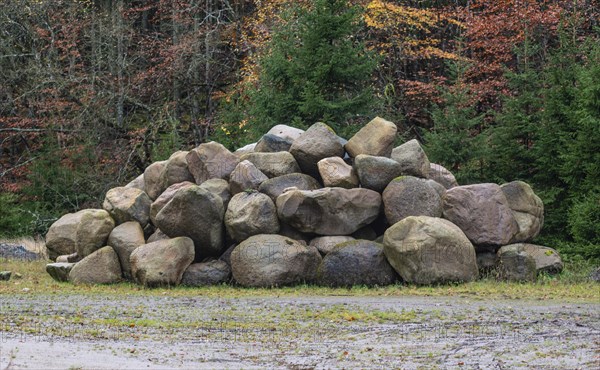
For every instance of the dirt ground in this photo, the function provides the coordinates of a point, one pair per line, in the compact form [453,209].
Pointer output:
[103,332]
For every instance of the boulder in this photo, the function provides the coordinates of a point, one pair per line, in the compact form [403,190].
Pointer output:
[337,174]
[100,267]
[156,236]
[211,160]
[273,260]
[218,187]
[251,214]
[429,250]
[329,211]
[176,170]
[273,164]
[375,138]
[410,196]
[546,259]
[198,214]
[442,176]
[358,262]
[527,208]
[246,176]
[482,212]
[5,275]
[137,183]
[162,262]
[82,232]
[206,273]
[245,150]
[165,198]
[285,132]
[270,143]
[59,271]
[274,187]
[128,204]
[68,258]
[124,239]
[412,159]
[152,181]
[516,264]
[375,173]
[326,244]
[318,142]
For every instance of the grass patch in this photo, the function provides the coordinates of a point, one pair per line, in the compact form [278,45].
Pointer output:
[571,285]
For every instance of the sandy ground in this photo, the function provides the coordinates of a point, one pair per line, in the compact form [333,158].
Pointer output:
[101,332]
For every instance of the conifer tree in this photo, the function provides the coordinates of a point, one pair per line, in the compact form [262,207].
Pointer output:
[315,69]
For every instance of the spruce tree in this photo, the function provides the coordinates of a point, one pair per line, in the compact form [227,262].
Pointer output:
[315,69]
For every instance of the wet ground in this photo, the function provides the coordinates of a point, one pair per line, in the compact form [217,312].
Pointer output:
[102,332]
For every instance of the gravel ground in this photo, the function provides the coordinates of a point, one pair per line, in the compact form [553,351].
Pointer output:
[101,332]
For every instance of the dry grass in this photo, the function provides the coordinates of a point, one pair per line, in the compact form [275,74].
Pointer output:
[35,280]
[36,245]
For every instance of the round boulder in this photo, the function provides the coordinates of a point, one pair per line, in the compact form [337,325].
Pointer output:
[412,158]
[162,262]
[516,264]
[482,213]
[410,196]
[357,262]
[124,239]
[206,273]
[329,211]
[273,260]
[326,244]
[251,214]
[337,173]
[442,176]
[165,198]
[274,187]
[375,138]
[527,208]
[198,214]
[375,173]
[128,204]
[318,142]
[211,161]
[246,176]
[429,250]
[273,164]
[100,267]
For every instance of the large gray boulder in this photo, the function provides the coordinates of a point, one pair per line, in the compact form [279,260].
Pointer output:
[318,142]
[82,232]
[516,264]
[285,132]
[329,211]
[198,214]
[59,271]
[273,260]
[176,170]
[100,267]
[546,259]
[482,213]
[274,187]
[410,196]
[442,176]
[273,164]
[375,173]
[206,273]
[218,187]
[165,198]
[337,174]
[412,159]
[429,250]
[124,239]
[128,204]
[162,262]
[211,160]
[358,262]
[326,244]
[270,143]
[246,176]
[251,214]
[375,138]
[527,208]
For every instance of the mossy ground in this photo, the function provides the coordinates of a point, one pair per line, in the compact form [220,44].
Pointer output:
[571,285]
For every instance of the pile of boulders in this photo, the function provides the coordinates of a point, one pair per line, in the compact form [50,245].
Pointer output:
[303,207]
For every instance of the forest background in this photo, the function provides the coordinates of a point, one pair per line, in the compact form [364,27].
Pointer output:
[93,91]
